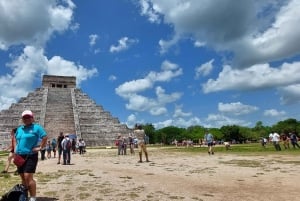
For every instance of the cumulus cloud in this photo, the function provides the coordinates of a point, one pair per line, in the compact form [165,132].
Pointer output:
[254,77]
[34,23]
[130,90]
[274,113]
[179,122]
[254,32]
[29,66]
[204,69]
[236,108]
[93,39]
[178,113]
[112,78]
[123,44]
[290,94]
[32,26]
[219,120]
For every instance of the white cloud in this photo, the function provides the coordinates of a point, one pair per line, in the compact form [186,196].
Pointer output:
[129,90]
[112,78]
[93,39]
[218,120]
[204,69]
[255,77]
[236,108]
[169,71]
[131,120]
[34,23]
[274,113]
[178,113]
[124,44]
[29,66]
[179,122]
[290,94]
[151,13]
[254,32]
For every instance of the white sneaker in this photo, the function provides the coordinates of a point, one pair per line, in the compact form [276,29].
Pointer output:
[32,199]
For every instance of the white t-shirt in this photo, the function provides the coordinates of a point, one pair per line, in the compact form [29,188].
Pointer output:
[276,137]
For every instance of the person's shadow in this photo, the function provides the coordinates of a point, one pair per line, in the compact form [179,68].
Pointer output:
[46,199]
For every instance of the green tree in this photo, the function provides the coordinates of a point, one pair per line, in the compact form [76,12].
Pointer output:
[150,132]
[168,134]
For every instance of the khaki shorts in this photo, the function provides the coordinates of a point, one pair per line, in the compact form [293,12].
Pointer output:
[142,147]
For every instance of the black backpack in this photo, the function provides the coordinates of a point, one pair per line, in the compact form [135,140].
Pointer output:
[17,193]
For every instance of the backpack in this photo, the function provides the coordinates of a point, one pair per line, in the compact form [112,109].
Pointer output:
[17,193]
[53,143]
[69,144]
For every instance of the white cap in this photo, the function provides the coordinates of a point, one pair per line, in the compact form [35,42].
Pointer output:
[27,113]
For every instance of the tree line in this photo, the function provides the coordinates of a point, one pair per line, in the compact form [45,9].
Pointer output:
[227,133]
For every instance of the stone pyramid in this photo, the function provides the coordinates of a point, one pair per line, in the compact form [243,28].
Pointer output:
[61,107]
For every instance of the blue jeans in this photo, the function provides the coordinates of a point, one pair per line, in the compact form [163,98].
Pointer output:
[66,156]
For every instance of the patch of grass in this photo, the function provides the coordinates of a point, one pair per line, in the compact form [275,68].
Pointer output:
[241,149]
[244,163]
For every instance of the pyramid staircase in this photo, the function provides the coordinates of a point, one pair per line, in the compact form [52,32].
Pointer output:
[64,109]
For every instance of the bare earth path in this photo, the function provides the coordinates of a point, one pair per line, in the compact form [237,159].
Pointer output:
[102,175]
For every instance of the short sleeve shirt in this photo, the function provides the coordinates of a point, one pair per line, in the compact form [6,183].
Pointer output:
[27,137]
[140,135]
[209,138]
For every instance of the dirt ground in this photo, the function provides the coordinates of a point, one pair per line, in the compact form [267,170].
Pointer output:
[103,175]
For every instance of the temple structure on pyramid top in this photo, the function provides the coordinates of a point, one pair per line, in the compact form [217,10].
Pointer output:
[61,107]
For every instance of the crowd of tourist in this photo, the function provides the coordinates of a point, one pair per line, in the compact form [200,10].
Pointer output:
[286,139]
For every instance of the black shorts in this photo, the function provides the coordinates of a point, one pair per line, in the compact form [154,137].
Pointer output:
[210,144]
[30,164]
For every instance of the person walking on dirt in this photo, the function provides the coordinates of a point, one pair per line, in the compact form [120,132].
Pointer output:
[59,147]
[140,135]
[209,139]
[11,151]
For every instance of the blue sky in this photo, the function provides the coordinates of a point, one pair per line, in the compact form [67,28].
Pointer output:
[165,62]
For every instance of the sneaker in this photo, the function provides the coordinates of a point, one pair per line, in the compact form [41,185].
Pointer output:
[4,172]
[32,199]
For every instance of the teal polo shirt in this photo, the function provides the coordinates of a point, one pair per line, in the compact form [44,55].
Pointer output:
[27,137]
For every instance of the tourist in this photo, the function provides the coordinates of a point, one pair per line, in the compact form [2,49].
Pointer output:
[131,143]
[11,151]
[276,141]
[119,144]
[285,140]
[25,143]
[66,145]
[294,140]
[48,149]
[54,144]
[43,153]
[81,146]
[59,148]
[140,135]
[74,146]
[209,139]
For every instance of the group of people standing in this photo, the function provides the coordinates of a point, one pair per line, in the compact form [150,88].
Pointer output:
[286,139]
[137,139]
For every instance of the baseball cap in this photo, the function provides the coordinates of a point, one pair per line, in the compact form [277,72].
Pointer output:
[27,113]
